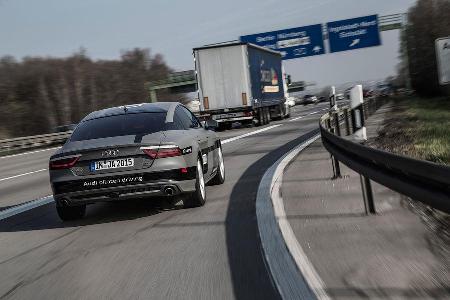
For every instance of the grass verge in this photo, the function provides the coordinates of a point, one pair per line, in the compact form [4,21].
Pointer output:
[418,127]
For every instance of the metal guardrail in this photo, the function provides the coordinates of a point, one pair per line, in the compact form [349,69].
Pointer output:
[420,180]
[29,142]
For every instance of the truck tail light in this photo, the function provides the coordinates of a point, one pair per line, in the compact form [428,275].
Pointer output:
[64,163]
[248,114]
[244,99]
[162,152]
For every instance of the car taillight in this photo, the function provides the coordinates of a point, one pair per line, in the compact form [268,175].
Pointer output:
[153,153]
[65,163]
[161,152]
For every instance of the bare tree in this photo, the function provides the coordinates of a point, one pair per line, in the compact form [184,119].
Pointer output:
[39,94]
[427,21]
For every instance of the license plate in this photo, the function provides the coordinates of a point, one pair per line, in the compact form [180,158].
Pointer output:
[227,116]
[112,164]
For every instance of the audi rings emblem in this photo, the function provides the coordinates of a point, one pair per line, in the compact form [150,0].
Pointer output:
[110,153]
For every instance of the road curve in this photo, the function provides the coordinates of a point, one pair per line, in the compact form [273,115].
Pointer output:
[146,250]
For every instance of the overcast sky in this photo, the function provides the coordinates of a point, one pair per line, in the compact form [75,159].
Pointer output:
[174,27]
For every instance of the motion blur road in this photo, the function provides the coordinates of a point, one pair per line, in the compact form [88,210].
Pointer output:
[146,249]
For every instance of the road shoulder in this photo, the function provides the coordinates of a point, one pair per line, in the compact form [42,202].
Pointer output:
[388,255]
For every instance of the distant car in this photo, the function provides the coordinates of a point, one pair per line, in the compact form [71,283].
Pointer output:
[340,97]
[368,93]
[136,151]
[298,100]
[291,101]
[347,93]
[310,99]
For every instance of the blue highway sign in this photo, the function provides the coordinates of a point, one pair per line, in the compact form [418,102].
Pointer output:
[354,33]
[292,43]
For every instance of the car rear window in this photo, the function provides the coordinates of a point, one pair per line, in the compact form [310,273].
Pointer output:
[120,125]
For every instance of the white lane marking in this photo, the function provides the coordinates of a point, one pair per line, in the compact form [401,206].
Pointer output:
[295,119]
[302,261]
[24,174]
[26,153]
[298,118]
[24,207]
[249,134]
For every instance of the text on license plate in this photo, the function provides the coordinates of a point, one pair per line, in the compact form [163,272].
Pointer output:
[229,115]
[112,164]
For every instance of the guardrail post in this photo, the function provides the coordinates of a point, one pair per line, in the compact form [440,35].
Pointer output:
[335,162]
[369,204]
[329,124]
[337,128]
[347,122]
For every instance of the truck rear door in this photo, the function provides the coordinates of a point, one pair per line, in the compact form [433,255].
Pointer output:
[223,75]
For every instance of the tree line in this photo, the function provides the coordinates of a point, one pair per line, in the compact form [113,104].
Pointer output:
[427,20]
[38,94]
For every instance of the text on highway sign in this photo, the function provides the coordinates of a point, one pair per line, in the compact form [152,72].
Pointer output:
[354,33]
[292,43]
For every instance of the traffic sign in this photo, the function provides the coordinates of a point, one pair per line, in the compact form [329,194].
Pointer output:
[443,59]
[292,43]
[354,33]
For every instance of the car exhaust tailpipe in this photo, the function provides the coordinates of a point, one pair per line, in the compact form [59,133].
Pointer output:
[169,191]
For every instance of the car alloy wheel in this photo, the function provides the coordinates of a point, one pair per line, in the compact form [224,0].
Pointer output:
[201,179]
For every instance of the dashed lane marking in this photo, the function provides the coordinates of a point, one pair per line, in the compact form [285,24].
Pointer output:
[24,174]
[26,153]
[249,134]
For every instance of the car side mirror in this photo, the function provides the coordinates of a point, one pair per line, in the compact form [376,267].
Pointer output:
[211,124]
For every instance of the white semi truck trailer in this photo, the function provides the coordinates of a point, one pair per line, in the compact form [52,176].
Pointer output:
[240,82]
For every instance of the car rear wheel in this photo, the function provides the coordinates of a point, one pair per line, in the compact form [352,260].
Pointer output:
[69,213]
[219,178]
[197,198]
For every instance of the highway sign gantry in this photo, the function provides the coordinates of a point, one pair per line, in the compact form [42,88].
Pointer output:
[443,60]
[292,43]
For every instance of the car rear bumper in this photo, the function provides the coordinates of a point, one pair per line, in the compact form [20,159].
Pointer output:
[121,187]
[148,190]
[234,119]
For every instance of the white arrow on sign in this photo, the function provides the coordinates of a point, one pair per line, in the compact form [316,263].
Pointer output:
[355,42]
[317,49]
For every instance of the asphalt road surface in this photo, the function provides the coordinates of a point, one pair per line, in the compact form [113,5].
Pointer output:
[146,249]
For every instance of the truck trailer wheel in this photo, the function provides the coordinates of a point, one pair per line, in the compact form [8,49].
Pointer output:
[259,117]
[267,115]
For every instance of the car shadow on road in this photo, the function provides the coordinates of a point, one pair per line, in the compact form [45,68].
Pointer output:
[45,217]
[250,277]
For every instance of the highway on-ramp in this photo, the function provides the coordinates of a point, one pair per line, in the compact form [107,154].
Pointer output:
[145,249]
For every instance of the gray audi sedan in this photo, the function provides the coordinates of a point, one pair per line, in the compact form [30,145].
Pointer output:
[136,151]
